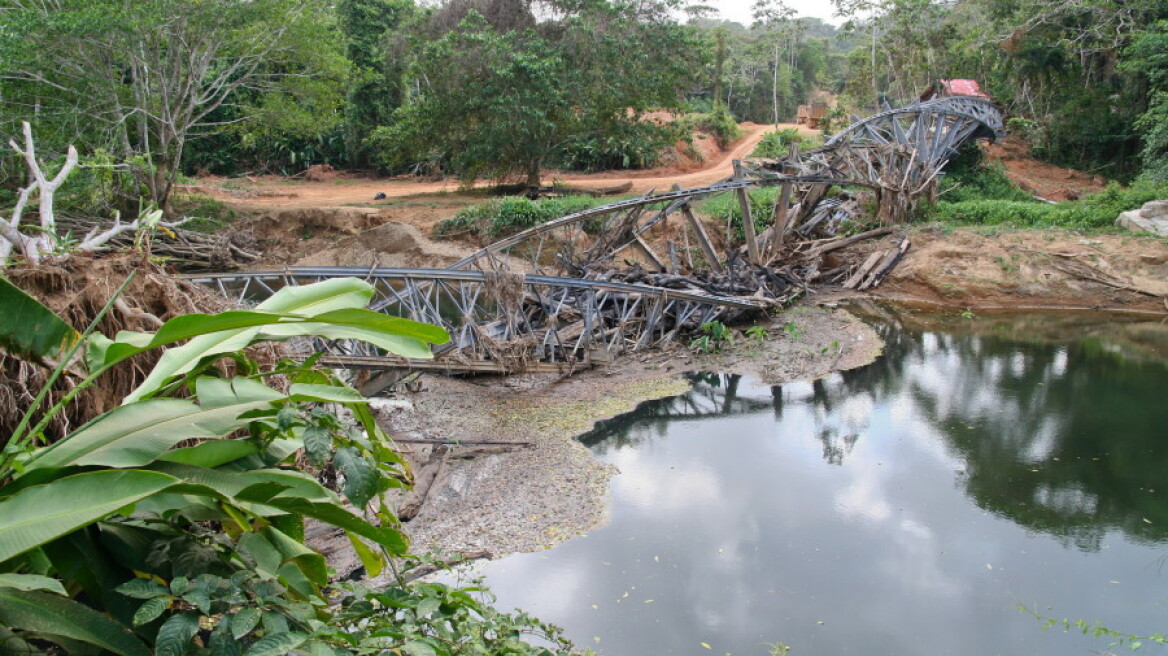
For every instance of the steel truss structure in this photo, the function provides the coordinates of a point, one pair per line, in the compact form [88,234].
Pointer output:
[532,301]
[500,322]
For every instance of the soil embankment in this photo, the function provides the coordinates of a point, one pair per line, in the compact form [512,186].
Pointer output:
[1040,178]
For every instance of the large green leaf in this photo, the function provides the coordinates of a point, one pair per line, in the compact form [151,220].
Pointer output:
[324,296]
[41,513]
[223,392]
[31,582]
[332,309]
[50,615]
[276,644]
[31,330]
[212,453]
[361,475]
[175,634]
[137,434]
[311,562]
[307,301]
[290,483]
[354,319]
[391,539]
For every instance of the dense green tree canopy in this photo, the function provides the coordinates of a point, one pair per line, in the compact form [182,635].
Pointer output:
[142,78]
[501,87]
[500,92]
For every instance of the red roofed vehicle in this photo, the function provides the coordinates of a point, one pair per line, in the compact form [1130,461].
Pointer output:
[950,88]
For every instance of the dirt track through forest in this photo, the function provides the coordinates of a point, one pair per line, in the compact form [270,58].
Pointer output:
[282,193]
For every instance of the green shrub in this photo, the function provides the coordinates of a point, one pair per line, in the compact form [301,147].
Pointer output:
[714,336]
[500,217]
[777,144]
[1026,129]
[210,215]
[969,177]
[719,123]
[183,548]
[626,145]
[1094,212]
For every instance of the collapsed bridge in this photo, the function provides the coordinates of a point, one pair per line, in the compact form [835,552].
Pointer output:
[581,289]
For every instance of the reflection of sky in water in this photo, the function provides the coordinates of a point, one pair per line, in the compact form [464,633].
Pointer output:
[736,531]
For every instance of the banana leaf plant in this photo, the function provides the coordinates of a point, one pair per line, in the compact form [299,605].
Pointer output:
[174,523]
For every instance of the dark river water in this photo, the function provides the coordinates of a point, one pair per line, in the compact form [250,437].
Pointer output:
[910,507]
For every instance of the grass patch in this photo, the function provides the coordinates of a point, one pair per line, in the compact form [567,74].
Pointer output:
[777,144]
[500,217]
[718,122]
[726,207]
[1094,212]
[210,215]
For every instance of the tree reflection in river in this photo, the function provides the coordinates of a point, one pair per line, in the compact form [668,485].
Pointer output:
[1056,429]
[904,508]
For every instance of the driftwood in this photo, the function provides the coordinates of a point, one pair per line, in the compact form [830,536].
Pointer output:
[186,250]
[446,563]
[451,442]
[1067,263]
[424,479]
[558,188]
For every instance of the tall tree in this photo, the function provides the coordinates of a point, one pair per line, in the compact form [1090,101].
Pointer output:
[146,76]
[500,93]
[1147,58]
[488,103]
[783,32]
[375,91]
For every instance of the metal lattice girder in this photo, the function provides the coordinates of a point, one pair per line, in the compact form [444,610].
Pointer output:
[500,321]
[624,223]
[901,124]
[899,150]
[554,320]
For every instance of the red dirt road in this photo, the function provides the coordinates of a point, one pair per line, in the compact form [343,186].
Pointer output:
[273,193]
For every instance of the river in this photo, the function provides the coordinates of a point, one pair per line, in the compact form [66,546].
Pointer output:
[934,502]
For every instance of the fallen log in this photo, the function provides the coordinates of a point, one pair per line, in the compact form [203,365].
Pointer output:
[424,479]
[458,558]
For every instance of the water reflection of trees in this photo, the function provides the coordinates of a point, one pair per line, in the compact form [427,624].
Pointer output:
[1062,438]
[1066,439]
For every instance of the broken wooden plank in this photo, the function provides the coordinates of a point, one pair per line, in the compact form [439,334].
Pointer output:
[858,277]
[781,212]
[747,218]
[703,239]
[887,264]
